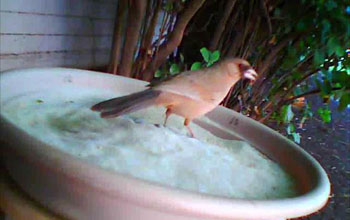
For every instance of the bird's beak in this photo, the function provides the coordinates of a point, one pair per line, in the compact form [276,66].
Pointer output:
[250,74]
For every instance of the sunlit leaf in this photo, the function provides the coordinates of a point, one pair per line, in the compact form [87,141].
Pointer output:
[325,114]
[214,56]
[205,54]
[196,66]
[290,128]
[296,137]
[174,69]
[158,74]
[287,113]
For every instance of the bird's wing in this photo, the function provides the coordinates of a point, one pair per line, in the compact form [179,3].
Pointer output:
[192,84]
[167,79]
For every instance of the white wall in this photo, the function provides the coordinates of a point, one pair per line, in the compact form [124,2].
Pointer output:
[74,33]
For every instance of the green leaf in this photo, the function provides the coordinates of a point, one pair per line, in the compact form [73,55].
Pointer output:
[297,91]
[287,113]
[326,87]
[342,78]
[168,6]
[290,129]
[332,45]
[196,66]
[331,4]
[158,74]
[296,137]
[205,54]
[326,25]
[297,75]
[302,45]
[319,57]
[215,56]
[291,59]
[328,75]
[344,101]
[174,69]
[301,26]
[308,112]
[339,51]
[325,114]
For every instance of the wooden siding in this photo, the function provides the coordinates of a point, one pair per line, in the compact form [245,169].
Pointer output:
[74,33]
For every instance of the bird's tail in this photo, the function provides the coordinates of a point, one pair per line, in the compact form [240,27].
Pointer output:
[126,104]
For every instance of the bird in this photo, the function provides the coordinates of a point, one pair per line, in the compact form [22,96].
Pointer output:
[189,94]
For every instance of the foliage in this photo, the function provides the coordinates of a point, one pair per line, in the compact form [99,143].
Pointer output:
[325,114]
[209,58]
[299,48]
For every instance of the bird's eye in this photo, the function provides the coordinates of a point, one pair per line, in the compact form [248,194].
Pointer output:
[243,67]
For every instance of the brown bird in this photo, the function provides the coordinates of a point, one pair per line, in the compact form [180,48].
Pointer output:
[190,94]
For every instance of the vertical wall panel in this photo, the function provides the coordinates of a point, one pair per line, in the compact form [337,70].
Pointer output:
[75,33]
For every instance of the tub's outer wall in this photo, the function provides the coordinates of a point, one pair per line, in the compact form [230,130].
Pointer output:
[64,191]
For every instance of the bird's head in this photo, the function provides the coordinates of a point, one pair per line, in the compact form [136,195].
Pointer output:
[236,67]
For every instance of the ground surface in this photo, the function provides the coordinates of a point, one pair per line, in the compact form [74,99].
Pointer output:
[330,145]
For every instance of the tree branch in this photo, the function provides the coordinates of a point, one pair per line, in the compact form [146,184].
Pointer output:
[136,14]
[147,41]
[175,38]
[230,40]
[274,51]
[222,23]
[248,25]
[312,92]
[266,15]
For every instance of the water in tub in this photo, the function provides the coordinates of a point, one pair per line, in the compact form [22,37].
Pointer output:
[132,144]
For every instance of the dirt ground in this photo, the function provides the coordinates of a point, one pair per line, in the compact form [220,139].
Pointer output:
[330,145]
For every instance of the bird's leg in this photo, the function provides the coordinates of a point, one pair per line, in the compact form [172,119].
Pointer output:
[167,114]
[186,123]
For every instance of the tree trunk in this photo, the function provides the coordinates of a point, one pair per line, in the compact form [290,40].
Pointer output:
[136,14]
[118,36]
